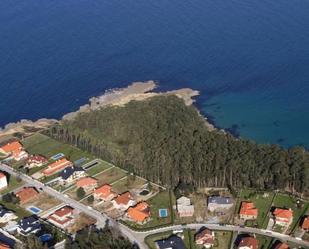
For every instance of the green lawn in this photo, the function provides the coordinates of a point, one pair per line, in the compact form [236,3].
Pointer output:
[161,200]
[286,201]
[20,212]
[13,183]
[46,146]
[98,168]
[263,203]
[222,240]
[110,176]
[264,241]
[127,183]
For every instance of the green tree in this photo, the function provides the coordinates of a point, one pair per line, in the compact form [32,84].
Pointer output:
[80,192]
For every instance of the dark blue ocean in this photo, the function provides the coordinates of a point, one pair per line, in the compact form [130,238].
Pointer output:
[249,58]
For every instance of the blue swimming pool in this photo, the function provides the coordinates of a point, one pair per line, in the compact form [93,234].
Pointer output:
[57,156]
[46,237]
[163,213]
[34,210]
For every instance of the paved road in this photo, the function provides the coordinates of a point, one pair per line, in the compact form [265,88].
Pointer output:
[139,236]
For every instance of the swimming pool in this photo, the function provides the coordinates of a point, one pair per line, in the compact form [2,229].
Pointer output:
[34,210]
[45,237]
[57,156]
[163,213]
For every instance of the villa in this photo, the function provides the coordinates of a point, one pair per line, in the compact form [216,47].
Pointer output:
[63,217]
[219,203]
[57,166]
[3,245]
[14,150]
[27,194]
[184,207]
[140,213]
[123,201]
[248,243]
[205,237]
[173,242]
[283,217]
[3,181]
[29,225]
[104,193]
[305,224]
[280,245]
[71,174]
[248,211]
[35,161]
[6,215]
[87,183]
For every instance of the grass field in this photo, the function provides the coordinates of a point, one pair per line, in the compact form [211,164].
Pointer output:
[159,201]
[286,201]
[110,176]
[128,183]
[20,212]
[46,146]
[222,240]
[13,183]
[264,241]
[98,168]
[262,203]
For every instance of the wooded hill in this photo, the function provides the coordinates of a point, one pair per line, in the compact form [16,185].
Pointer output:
[166,141]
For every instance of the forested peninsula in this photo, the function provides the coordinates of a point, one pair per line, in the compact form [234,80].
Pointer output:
[168,142]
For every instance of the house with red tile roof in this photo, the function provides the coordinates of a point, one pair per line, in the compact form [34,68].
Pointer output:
[205,238]
[248,243]
[104,193]
[140,213]
[35,161]
[3,181]
[305,224]
[283,217]
[248,211]
[123,201]
[57,166]
[62,217]
[280,245]
[14,150]
[87,183]
[4,246]
[27,194]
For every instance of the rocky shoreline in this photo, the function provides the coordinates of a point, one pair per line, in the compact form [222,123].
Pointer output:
[137,91]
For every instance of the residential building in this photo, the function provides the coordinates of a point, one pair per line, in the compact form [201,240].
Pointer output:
[63,217]
[305,224]
[28,225]
[248,243]
[35,161]
[6,215]
[248,211]
[205,238]
[219,203]
[87,183]
[283,217]
[27,194]
[3,245]
[123,201]
[57,166]
[173,242]
[104,193]
[280,245]
[140,213]
[184,207]
[71,174]
[14,150]
[3,181]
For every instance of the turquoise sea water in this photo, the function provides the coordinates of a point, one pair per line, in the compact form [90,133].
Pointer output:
[249,59]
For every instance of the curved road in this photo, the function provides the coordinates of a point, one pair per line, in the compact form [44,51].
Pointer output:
[139,236]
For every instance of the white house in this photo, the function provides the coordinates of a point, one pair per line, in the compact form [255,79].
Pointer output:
[184,207]
[29,225]
[6,215]
[71,174]
[63,217]
[219,203]
[3,181]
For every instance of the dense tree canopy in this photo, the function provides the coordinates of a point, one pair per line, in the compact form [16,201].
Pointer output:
[166,141]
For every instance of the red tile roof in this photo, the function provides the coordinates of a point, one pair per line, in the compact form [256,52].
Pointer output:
[305,223]
[281,245]
[104,191]
[205,236]
[4,246]
[140,212]
[124,198]
[27,194]
[14,147]
[86,182]
[250,242]
[2,175]
[67,210]
[247,208]
[57,166]
[283,213]
[37,158]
